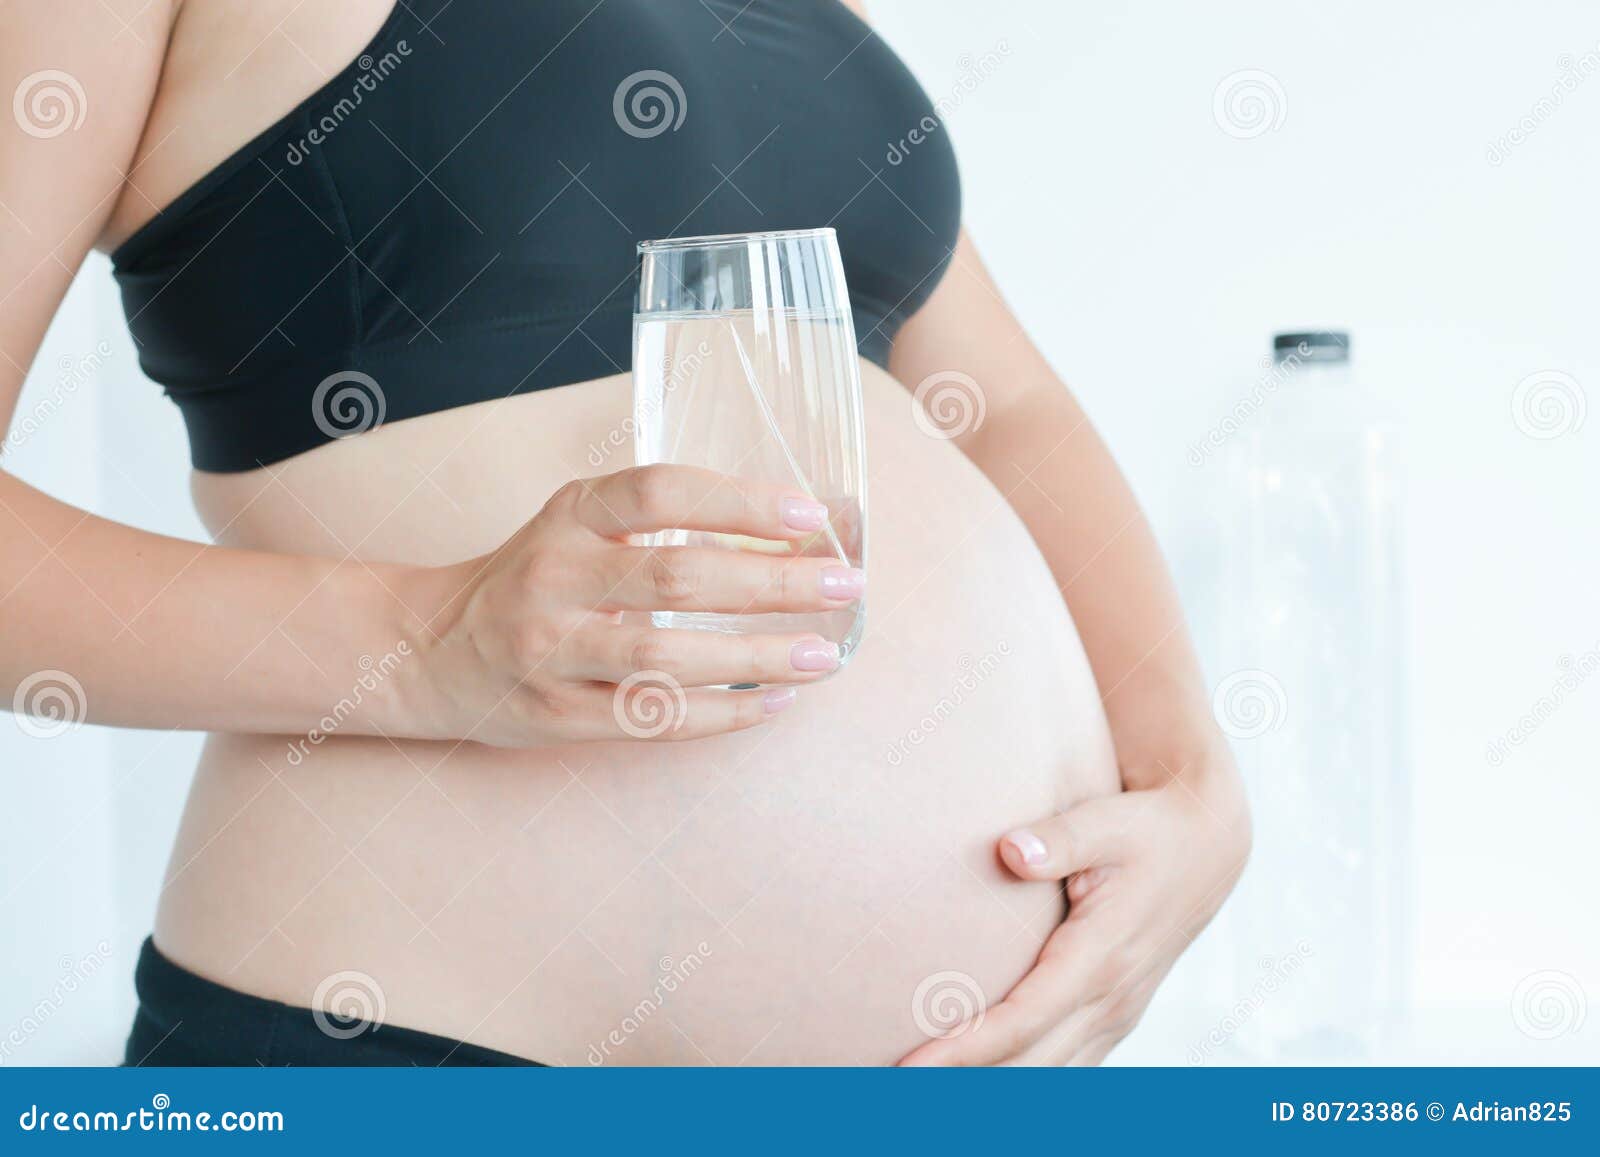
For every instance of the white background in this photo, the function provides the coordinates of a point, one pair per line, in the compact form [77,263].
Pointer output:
[1151,254]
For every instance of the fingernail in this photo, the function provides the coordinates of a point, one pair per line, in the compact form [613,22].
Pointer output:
[841,582]
[814,655]
[800,514]
[775,701]
[1029,846]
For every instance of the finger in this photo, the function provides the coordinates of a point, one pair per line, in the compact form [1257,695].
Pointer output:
[1109,1019]
[610,654]
[1059,990]
[1087,835]
[1058,1042]
[1093,1052]
[731,582]
[644,499]
[1081,885]
[656,708]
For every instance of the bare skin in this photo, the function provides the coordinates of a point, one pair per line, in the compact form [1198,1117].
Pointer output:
[478,838]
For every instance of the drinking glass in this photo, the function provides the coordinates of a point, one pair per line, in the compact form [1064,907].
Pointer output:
[744,362]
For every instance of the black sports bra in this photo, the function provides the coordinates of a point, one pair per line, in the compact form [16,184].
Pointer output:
[453,217]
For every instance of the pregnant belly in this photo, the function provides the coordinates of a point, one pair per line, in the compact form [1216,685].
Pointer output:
[822,890]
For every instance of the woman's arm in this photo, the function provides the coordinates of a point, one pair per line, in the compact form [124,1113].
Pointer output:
[521,647]
[1037,446]
[1148,868]
[159,632]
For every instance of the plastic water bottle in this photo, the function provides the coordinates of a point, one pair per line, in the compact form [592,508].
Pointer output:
[1311,637]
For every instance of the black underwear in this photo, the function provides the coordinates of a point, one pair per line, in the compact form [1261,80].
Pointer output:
[452,217]
[186,1020]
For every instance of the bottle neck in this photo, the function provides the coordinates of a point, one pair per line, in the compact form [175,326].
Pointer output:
[1315,372]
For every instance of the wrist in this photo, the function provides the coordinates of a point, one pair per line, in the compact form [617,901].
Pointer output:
[1163,729]
[419,614]
[1198,756]
[1204,777]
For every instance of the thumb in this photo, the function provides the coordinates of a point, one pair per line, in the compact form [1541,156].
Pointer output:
[1089,834]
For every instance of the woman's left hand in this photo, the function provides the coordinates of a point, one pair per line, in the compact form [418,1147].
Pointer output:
[1145,871]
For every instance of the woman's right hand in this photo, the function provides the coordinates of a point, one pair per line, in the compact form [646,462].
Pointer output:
[530,647]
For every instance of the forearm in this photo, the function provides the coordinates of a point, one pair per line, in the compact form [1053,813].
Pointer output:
[163,633]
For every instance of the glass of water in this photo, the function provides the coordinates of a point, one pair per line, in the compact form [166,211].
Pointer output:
[744,362]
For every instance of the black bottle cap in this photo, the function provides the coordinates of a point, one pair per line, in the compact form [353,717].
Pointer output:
[1323,345]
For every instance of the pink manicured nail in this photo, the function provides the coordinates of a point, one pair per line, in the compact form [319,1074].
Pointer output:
[1029,846]
[799,514]
[775,701]
[839,582]
[814,655]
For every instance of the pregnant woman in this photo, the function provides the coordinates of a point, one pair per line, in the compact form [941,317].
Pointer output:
[381,256]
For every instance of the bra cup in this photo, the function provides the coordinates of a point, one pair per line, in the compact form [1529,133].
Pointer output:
[450,232]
